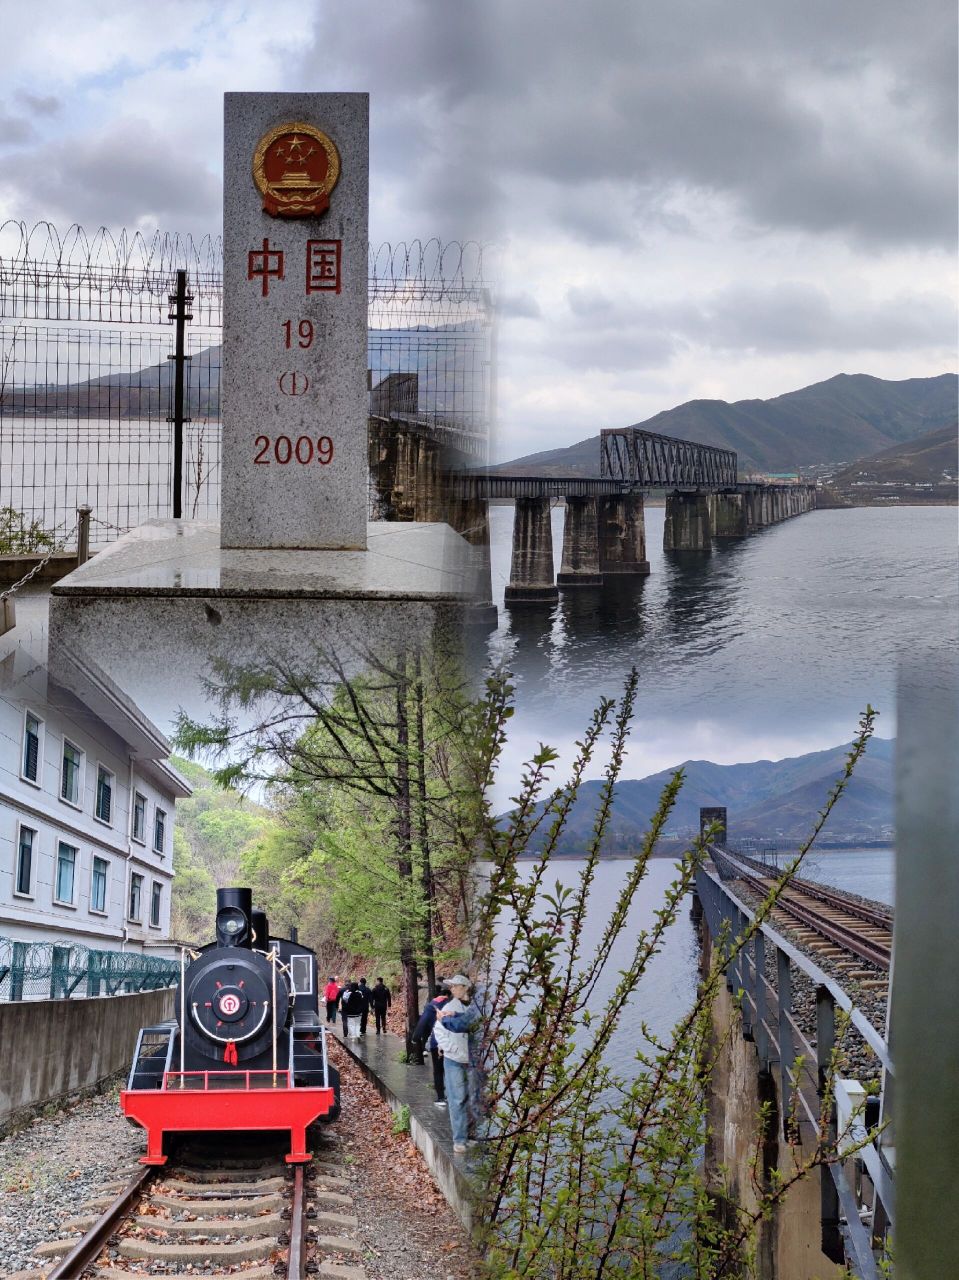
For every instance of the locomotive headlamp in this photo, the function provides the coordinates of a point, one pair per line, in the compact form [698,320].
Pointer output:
[231,926]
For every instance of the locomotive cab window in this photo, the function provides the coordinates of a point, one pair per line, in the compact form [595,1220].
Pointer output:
[301,971]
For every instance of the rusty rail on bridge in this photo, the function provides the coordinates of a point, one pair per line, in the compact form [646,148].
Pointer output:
[769,1019]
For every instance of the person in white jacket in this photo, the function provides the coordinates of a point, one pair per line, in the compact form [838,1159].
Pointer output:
[454,1046]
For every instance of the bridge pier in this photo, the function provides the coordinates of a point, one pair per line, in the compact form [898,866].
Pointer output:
[687,522]
[382,460]
[580,565]
[727,514]
[428,484]
[531,579]
[470,518]
[622,534]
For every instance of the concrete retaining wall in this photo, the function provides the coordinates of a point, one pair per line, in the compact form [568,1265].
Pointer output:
[51,1050]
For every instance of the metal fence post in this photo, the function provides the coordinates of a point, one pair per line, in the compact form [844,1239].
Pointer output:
[760,1032]
[83,533]
[786,1051]
[832,1245]
[179,302]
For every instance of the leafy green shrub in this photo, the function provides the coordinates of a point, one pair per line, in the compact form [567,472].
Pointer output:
[19,538]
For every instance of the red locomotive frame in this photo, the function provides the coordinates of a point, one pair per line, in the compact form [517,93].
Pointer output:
[246,1105]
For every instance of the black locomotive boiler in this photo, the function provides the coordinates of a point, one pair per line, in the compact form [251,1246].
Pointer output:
[247,1049]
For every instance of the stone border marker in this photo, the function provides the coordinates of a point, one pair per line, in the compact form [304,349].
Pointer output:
[295,244]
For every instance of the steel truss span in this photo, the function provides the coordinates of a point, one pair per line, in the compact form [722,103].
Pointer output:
[643,458]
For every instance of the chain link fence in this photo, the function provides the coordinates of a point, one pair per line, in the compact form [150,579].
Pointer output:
[67,971]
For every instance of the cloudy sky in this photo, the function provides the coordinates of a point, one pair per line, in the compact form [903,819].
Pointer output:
[692,198]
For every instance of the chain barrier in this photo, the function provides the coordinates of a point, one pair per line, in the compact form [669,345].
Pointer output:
[41,564]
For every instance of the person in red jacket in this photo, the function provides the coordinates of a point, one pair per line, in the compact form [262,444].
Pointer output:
[331,995]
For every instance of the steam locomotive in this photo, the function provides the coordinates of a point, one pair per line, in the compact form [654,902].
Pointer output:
[247,1049]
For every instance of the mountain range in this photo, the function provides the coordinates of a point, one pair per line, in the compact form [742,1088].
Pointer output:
[766,799]
[844,418]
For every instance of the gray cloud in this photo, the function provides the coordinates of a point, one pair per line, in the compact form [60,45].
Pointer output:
[817,117]
[780,318]
[115,178]
[14,130]
[39,104]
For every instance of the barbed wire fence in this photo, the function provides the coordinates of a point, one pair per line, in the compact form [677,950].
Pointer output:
[70,970]
[88,368]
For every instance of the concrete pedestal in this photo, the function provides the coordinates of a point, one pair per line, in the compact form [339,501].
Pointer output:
[165,602]
[580,566]
[687,523]
[622,534]
[531,577]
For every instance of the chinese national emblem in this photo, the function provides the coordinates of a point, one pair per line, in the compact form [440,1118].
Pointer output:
[295,167]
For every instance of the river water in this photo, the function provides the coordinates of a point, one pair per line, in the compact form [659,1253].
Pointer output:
[768,647]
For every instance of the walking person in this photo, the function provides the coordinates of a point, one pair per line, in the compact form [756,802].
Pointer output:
[331,994]
[381,1000]
[426,1028]
[365,1015]
[454,1046]
[351,1007]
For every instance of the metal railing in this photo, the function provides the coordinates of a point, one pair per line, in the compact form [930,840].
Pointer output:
[68,970]
[857,1194]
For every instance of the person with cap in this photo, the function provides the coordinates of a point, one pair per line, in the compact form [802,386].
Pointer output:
[425,1028]
[469,1021]
[454,1046]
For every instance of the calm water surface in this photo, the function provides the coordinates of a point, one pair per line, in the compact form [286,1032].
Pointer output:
[785,634]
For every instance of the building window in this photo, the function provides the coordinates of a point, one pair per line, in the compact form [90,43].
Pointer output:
[70,773]
[104,809]
[98,885]
[159,830]
[156,902]
[140,818]
[136,895]
[66,872]
[31,747]
[25,860]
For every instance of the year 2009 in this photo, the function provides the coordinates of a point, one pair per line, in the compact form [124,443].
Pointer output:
[303,450]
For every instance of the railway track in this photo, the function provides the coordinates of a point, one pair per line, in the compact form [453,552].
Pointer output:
[209,1213]
[815,910]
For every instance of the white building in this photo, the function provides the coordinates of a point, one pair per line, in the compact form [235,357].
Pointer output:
[86,806]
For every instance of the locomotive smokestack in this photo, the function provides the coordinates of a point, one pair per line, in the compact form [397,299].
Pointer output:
[234,908]
[261,930]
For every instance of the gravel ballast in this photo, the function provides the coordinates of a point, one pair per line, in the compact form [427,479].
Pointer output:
[49,1169]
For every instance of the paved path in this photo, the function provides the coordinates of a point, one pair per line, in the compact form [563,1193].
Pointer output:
[402,1084]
